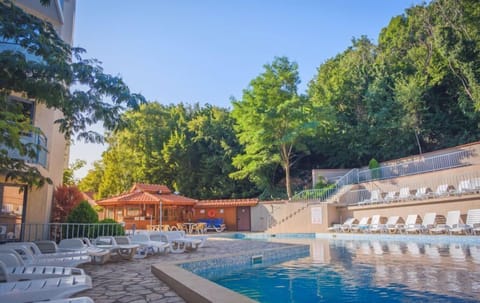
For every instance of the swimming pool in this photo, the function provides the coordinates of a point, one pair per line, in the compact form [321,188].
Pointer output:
[366,270]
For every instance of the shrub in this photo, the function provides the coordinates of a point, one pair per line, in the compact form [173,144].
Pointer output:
[82,213]
[65,198]
[374,167]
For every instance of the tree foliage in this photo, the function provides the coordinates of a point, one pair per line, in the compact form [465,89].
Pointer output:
[69,173]
[65,198]
[37,65]
[187,148]
[82,213]
[271,120]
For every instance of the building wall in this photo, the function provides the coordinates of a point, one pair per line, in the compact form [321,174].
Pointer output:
[228,214]
[39,200]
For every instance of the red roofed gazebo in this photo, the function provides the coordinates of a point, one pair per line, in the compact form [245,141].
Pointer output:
[148,204]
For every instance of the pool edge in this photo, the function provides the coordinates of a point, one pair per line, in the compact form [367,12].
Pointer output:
[193,288]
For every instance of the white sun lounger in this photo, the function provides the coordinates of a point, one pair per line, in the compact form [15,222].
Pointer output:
[375,224]
[410,222]
[345,227]
[404,194]
[390,224]
[12,268]
[453,221]
[117,251]
[362,225]
[427,223]
[43,289]
[98,255]
[30,259]
[193,239]
[177,240]
[421,193]
[472,224]
[37,252]
[150,246]
[391,196]
[442,190]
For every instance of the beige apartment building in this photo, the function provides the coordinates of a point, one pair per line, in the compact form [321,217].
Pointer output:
[34,205]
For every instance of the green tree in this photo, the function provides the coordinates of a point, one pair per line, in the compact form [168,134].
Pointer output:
[270,120]
[37,64]
[68,174]
[91,182]
[187,148]
[83,213]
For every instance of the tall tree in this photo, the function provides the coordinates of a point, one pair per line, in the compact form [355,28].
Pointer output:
[270,120]
[91,182]
[37,64]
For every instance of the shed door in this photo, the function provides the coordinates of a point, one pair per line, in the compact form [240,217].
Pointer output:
[243,218]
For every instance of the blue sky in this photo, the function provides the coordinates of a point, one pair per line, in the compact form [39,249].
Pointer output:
[207,51]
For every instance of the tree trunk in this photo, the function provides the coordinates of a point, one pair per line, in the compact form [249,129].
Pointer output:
[287,180]
[418,142]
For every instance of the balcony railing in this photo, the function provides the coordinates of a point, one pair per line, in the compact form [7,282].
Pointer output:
[10,45]
[34,139]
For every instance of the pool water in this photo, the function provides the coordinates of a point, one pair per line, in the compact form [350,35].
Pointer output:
[367,271]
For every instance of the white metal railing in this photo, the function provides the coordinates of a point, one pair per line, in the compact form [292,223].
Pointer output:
[424,165]
[58,231]
[355,176]
[323,194]
[431,184]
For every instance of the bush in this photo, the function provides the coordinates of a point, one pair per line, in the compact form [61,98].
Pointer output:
[84,214]
[65,198]
[375,169]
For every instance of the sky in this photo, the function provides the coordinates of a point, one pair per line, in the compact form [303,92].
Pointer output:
[207,51]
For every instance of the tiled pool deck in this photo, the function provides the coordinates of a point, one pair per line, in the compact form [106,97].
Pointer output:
[133,282]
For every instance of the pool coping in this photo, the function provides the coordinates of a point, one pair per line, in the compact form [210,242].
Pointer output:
[196,289]
[193,288]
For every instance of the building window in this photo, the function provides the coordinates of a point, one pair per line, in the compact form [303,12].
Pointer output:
[133,212]
[25,107]
[109,213]
[12,202]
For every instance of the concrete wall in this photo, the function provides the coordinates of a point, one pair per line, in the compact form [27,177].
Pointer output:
[285,217]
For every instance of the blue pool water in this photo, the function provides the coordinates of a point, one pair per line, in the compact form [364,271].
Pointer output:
[366,271]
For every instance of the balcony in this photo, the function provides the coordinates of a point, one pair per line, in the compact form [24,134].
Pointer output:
[10,45]
[34,139]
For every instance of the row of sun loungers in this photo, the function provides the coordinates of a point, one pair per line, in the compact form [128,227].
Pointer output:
[29,274]
[468,186]
[412,224]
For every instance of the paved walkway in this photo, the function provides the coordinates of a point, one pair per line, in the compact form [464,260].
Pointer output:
[133,282]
